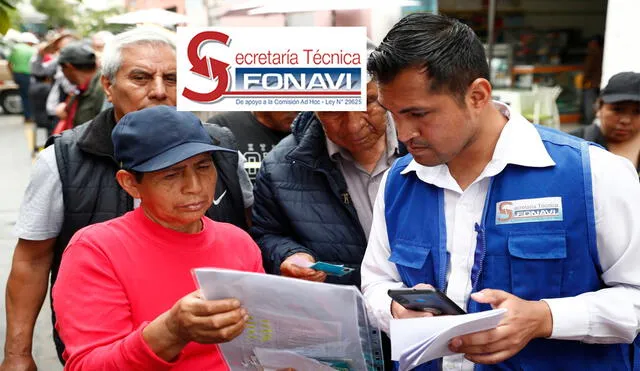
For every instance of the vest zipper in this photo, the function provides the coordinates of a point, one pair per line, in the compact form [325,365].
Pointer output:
[444,255]
[481,245]
[481,249]
[481,240]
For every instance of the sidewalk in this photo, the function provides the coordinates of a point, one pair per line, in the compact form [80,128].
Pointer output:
[15,160]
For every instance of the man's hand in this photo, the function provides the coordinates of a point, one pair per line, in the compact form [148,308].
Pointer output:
[289,268]
[22,362]
[524,321]
[398,311]
[193,318]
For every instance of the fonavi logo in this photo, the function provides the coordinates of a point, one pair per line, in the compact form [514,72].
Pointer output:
[505,211]
[207,67]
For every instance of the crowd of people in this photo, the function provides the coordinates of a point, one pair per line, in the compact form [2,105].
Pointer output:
[59,78]
[425,188]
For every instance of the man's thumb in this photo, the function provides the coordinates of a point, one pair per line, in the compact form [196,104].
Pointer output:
[489,296]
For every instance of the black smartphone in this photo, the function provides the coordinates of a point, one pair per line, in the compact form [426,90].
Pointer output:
[425,300]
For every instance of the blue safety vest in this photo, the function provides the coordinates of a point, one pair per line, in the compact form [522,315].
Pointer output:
[536,240]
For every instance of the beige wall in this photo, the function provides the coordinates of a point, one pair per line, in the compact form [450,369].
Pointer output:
[319,19]
[132,5]
[253,21]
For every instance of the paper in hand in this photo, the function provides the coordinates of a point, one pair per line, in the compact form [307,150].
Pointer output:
[415,341]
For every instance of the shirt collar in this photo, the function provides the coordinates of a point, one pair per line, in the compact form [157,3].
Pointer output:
[392,144]
[519,144]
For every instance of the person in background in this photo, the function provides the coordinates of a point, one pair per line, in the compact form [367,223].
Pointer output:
[617,127]
[78,63]
[20,66]
[99,40]
[125,296]
[39,89]
[257,133]
[45,63]
[591,78]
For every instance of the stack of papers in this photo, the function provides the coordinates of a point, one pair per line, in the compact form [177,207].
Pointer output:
[273,360]
[415,341]
[308,326]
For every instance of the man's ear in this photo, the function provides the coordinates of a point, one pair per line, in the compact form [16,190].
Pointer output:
[106,86]
[128,182]
[479,93]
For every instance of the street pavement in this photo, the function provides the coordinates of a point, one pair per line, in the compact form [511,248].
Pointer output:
[15,162]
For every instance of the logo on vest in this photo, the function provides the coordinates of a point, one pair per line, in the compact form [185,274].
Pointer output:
[547,209]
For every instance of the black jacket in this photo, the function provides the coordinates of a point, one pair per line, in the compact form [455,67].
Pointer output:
[302,204]
[592,133]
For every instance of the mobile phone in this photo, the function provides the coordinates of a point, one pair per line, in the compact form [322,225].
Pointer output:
[425,300]
[331,269]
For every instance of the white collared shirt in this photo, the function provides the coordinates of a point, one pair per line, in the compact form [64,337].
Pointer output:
[363,185]
[610,315]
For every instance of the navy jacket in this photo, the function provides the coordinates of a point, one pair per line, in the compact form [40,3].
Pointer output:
[302,204]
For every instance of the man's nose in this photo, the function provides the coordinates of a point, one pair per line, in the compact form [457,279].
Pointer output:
[355,121]
[405,131]
[158,89]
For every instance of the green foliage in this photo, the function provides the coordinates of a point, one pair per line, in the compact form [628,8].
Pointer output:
[7,10]
[5,22]
[15,19]
[7,4]
[62,15]
[92,21]
[60,12]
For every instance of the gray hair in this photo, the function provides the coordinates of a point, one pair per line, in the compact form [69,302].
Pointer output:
[147,35]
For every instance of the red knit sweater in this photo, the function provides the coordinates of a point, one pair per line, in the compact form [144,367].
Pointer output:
[119,275]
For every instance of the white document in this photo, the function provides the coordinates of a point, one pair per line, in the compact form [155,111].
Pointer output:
[415,341]
[273,359]
[311,319]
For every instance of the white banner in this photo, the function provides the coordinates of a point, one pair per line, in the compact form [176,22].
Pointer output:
[272,69]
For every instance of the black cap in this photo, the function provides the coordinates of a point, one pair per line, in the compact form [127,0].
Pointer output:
[158,137]
[77,53]
[623,86]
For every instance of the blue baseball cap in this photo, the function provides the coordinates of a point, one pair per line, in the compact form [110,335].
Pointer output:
[158,137]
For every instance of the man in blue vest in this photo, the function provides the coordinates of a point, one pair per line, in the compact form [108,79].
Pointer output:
[499,213]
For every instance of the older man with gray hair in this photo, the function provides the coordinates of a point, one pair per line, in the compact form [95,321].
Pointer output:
[73,181]
[315,191]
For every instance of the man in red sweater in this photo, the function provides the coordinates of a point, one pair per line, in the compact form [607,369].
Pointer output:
[125,296]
